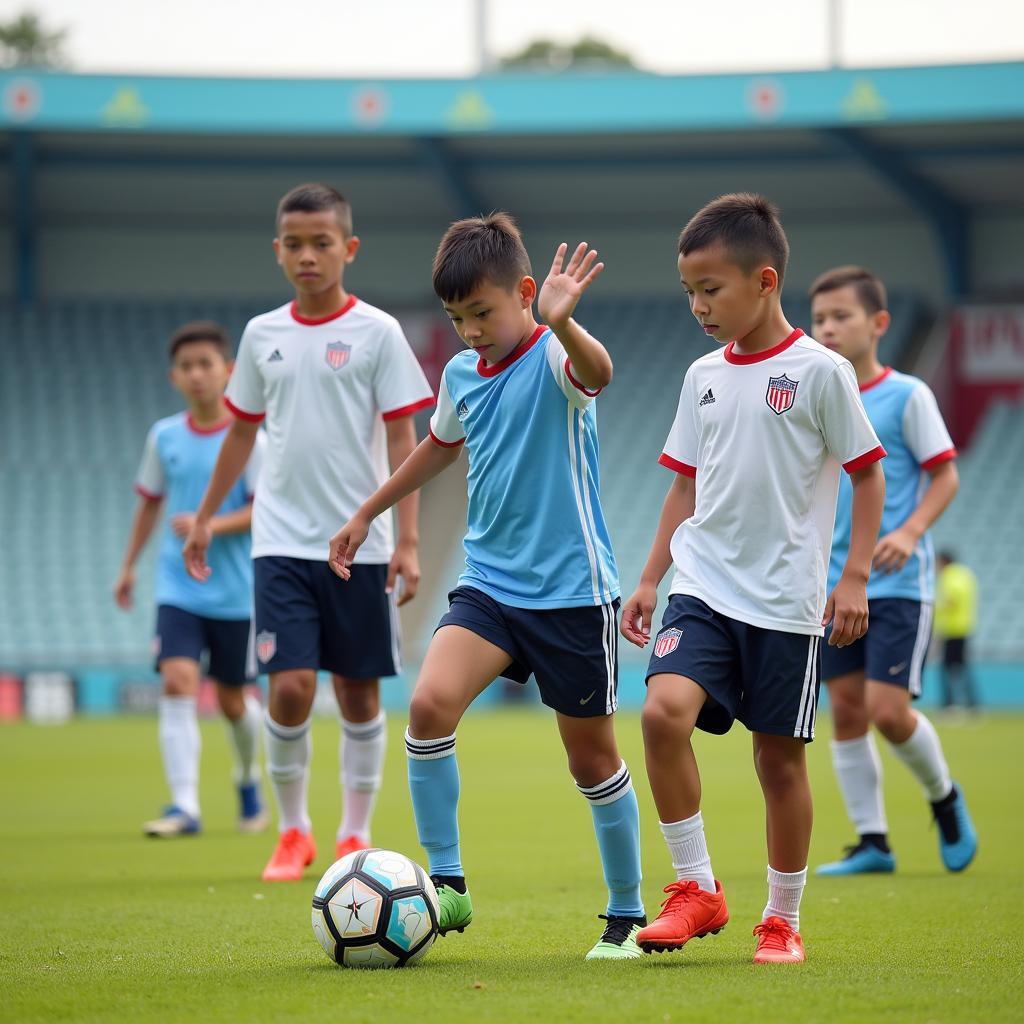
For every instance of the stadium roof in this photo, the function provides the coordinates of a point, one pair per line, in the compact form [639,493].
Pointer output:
[942,141]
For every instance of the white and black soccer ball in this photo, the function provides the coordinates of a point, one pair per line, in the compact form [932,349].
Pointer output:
[375,908]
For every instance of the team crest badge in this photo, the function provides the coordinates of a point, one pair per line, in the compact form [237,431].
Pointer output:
[780,394]
[266,645]
[667,642]
[337,354]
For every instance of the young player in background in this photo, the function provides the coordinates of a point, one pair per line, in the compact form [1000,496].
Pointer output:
[337,384]
[872,681]
[540,590]
[763,426]
[193,621]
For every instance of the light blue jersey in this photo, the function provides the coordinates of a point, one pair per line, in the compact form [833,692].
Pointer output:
[176,466]
[536,533]
[904,413]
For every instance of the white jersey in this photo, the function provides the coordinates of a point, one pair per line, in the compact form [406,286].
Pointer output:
[764,436]
[325,387]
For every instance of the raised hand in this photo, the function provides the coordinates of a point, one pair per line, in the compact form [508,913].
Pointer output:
[562,288]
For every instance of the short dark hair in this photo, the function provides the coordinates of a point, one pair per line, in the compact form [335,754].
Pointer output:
[479,249]
[870,290]
[201,330]
[746,224]
[313,197]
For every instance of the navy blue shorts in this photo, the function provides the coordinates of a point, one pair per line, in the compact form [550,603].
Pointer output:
[572,652]
[765,678]
[306,617]
[225,642]
[893,649]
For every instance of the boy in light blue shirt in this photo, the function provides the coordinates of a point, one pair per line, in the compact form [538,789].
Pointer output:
[540,593]
[194,620]
[872,681]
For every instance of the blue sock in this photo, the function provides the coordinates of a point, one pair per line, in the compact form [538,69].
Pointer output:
[434,787]
[617,824]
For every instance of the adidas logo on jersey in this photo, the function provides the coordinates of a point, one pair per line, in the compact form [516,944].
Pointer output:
[708,398]
[463,410]
[275,356]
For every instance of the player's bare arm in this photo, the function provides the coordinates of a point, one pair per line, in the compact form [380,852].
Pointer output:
[559,296]
[847,606]
[146,515]
[239,521]
[896,547]
[234,454]
[638,611]
[427,461]
[405,562]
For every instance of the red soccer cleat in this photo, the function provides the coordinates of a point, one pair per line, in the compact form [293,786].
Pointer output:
[777,943]
[343,847]
[295,852]
[688,913]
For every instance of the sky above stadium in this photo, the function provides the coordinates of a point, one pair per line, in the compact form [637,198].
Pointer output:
[389,38]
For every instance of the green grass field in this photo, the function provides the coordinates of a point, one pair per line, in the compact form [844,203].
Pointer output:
[99,924]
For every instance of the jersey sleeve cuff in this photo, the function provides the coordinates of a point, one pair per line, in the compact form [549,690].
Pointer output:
[444,444]
[938,460]
[408,410]
[676,466]
[148,495]
[249,417]
[576,384]
[865,460]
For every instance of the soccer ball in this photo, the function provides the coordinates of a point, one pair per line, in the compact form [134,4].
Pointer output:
[375,908]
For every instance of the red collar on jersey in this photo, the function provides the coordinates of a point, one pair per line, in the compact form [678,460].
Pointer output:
[520,350]
[868,384]
[213,428]
[757,357]
[307,322]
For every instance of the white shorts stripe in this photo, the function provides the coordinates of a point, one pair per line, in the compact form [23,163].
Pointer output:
[924,635]
[807,693]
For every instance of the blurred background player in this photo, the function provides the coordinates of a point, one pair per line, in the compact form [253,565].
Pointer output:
[539,594]
[763,425]
[872,681]
[194,621]
[338,385]
[956,615]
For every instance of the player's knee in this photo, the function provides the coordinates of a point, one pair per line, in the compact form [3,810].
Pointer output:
[430,714]
[893,720]
[177,681]
[592,767]
[358,699]
[780,767]
[663,719]
[291,697]
[231,700]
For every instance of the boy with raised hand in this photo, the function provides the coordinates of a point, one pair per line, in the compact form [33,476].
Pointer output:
[763,428]
[872,681]
[540,591]
[337,384]
[194,621]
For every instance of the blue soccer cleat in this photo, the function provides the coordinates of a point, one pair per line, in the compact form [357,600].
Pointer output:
[252,815]
[172,822]
[958,842]
[863,859]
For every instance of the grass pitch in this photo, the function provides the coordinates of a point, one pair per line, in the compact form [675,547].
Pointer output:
[99,924]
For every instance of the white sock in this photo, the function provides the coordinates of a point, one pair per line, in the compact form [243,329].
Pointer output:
[922,754]
[180,745]
[784,892]
[689,850]
[362,764]
[289,749]
[245,740]
[859,771]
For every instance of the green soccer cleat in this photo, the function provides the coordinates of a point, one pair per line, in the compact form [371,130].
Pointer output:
[619,939]
[456,909]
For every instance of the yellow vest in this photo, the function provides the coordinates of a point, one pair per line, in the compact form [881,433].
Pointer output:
[956,601]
